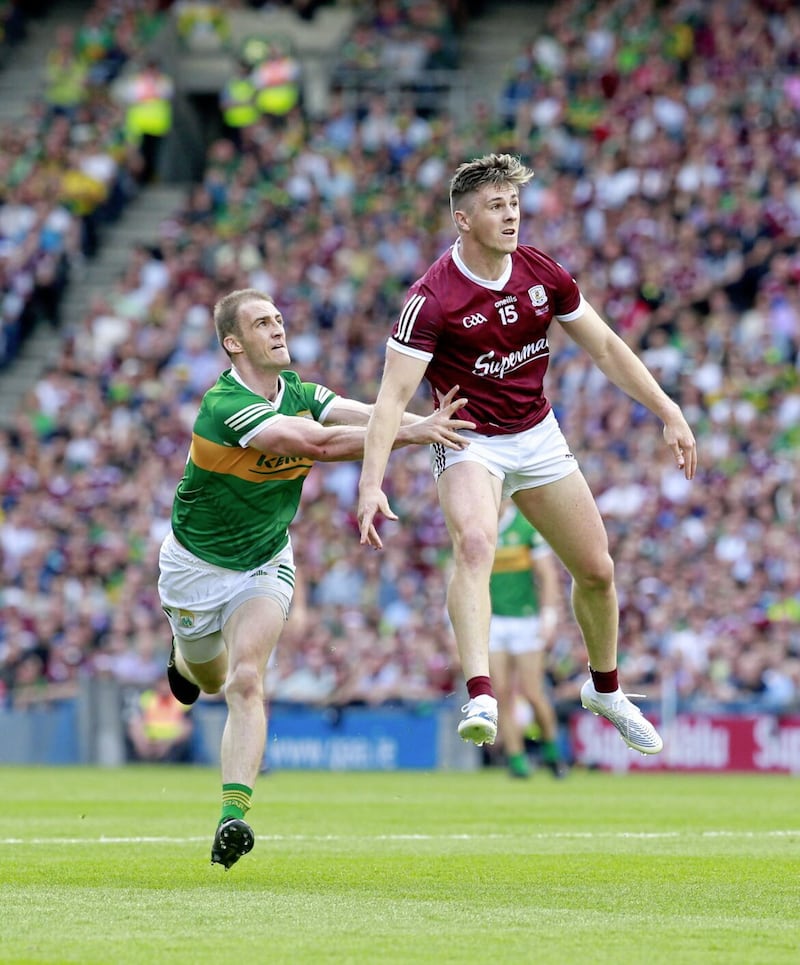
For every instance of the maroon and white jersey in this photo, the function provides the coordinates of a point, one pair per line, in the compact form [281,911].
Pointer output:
[489,337]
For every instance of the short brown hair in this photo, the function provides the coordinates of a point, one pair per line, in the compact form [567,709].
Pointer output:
[490,169]
[226,311]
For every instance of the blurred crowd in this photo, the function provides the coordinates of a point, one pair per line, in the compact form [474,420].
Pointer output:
[69,165]
[396,43]
[668,181]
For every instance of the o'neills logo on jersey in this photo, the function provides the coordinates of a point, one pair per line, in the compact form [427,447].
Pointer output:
[496,366]
[538,296]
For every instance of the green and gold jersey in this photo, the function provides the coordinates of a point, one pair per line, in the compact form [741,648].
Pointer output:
[512,585]
[234,504]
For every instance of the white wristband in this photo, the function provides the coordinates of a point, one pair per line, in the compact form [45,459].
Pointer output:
[548,617]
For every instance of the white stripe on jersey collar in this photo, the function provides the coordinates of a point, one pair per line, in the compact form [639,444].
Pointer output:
[279,395]
[496,284]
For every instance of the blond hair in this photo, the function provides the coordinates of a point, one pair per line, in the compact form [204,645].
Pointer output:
[496,169]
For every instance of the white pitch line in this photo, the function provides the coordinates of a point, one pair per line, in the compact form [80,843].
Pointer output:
[539,836]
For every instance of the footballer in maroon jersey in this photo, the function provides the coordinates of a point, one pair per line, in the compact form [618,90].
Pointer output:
[478,319]
[489,337]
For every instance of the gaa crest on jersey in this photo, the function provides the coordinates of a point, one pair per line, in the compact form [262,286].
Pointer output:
[538,295]
[470,321]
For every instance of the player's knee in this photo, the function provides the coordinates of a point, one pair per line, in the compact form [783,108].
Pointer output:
[245,681]
[474,549]
[597,573]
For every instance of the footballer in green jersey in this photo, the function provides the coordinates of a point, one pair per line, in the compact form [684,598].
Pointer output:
[234,504]
[513,589]
[226,570]
[525,594]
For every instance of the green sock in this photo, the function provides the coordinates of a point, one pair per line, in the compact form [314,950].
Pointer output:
[518,764]
[550,752]
[236,801]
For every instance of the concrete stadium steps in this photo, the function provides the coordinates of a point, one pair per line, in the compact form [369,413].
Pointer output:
[491,41]
[21,85]
[22,75]
[139,223]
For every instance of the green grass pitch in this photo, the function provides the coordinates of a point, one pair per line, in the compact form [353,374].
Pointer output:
[112,866]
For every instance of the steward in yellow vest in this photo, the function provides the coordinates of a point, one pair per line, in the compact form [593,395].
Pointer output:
[276,80]
[237,100]
[147,97]
[149,104]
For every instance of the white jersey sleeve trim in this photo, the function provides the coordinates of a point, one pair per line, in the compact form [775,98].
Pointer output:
[244,441]
[573,315]
[407,350]
[324,413]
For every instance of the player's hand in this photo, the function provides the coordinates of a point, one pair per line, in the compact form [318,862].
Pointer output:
[371,502]
[442,426]
[680,438]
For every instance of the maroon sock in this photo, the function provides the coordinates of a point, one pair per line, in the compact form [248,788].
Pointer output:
[479,685]
[605,681]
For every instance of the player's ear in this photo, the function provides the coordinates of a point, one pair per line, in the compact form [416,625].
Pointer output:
[461,219]
[231,344]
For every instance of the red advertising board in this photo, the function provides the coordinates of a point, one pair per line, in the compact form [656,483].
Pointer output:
[695,742]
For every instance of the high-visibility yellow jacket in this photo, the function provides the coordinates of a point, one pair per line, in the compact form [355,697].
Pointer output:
[238,103]
[149,99]
[277,87]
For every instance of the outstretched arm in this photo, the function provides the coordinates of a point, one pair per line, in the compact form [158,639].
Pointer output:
[285,435]
[627,371]
[402,375]
[351,412]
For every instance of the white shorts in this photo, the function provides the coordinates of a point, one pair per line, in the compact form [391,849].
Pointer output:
[514,635]
[199,597]
[523,460]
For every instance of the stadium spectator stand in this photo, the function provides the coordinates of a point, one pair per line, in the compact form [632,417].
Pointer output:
[67,169]
[667,169]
